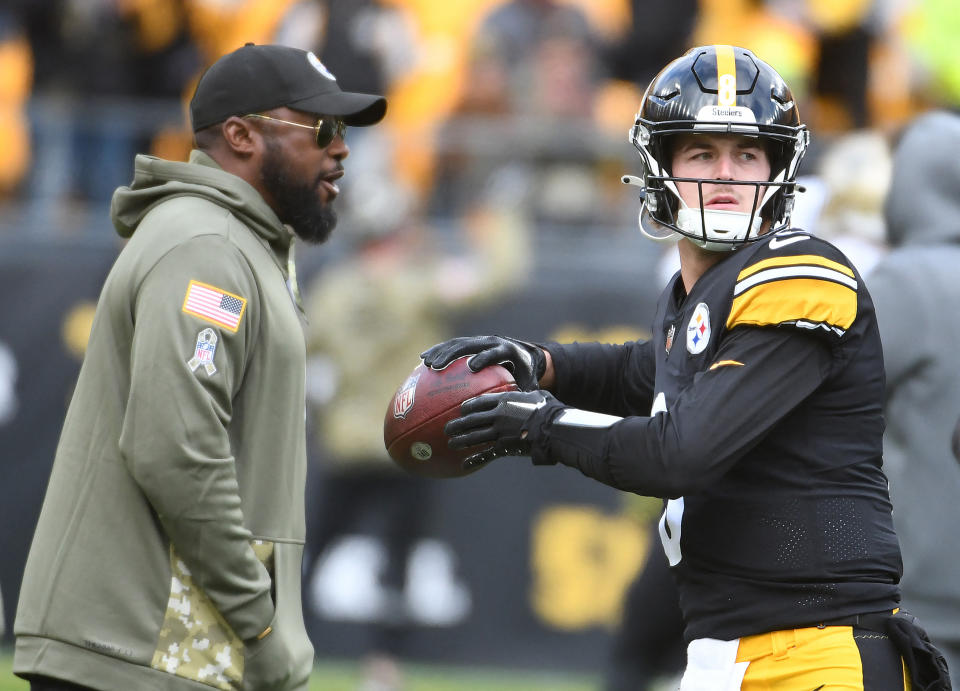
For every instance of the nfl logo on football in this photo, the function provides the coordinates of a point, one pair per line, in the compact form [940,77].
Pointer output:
[403,401]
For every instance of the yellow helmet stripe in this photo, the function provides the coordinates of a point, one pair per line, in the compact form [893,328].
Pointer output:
[726,76]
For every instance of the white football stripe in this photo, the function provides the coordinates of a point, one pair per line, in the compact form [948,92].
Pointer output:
[794,272]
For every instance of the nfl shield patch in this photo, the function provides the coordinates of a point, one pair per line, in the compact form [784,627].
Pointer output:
[204,351]
[403,401]
[670,334]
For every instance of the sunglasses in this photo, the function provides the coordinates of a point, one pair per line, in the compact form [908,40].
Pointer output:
[325,130]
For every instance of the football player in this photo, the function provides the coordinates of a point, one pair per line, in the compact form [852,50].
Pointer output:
[755,410]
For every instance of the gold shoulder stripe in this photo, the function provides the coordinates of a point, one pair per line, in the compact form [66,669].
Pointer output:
[725,363]
[790,272]
[796,260]
[810,301]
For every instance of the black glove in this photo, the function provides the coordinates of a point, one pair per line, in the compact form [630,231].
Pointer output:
[525,361]
[926,664]
[501,418]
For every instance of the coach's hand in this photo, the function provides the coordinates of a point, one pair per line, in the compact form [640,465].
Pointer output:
[268,665]
[525,361]
[501,418]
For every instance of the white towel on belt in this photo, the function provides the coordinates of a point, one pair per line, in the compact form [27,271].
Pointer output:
[712,666]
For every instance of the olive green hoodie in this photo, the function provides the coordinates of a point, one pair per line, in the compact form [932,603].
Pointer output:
[172,529]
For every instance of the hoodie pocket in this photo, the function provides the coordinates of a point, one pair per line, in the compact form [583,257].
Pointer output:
[284,659]
[195,641]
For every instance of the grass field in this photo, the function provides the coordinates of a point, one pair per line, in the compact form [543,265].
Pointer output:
[345,676]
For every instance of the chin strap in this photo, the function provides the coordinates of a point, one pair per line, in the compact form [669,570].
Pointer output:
[725,224]
[731,226]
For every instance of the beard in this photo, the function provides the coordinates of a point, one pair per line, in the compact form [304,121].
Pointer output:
[295,202]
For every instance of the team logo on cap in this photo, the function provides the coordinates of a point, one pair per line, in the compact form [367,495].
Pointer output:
[320,67]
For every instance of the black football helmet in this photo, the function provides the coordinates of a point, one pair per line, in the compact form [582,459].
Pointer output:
[714,90]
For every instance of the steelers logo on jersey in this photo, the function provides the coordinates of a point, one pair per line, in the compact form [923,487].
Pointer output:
[698,330]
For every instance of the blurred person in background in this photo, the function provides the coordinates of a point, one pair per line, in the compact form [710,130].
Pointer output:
[916,293]
[518,27]
[368,317]
[168,549]
[845,34]
[367,43]
[657,32]
[854,174]
[94,60]
[16,79]
[468,155]
[532,77]
[777,522]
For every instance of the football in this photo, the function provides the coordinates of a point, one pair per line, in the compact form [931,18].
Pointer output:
[428,400]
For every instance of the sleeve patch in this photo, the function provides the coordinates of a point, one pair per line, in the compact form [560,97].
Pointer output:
[214,305]
[806,301]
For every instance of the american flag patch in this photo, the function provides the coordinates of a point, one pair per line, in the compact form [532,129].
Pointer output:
[214,305]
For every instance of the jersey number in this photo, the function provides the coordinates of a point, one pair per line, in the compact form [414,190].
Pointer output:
[670,530]
[673,514]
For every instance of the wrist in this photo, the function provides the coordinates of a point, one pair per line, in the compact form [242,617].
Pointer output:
[548,377]
[538,433]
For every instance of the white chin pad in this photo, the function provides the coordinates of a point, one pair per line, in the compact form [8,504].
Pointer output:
[721,226]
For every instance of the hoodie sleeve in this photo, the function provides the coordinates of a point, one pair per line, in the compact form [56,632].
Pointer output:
[900,318]
[195,316]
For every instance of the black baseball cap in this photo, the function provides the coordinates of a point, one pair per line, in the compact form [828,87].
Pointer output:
[255,78]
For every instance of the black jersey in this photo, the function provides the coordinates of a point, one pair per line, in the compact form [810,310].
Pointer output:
[756,409]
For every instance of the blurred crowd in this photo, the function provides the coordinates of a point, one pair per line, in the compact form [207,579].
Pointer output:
[491,101]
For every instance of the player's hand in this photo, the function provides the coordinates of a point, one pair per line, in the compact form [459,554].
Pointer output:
[525,361]
[501,418]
